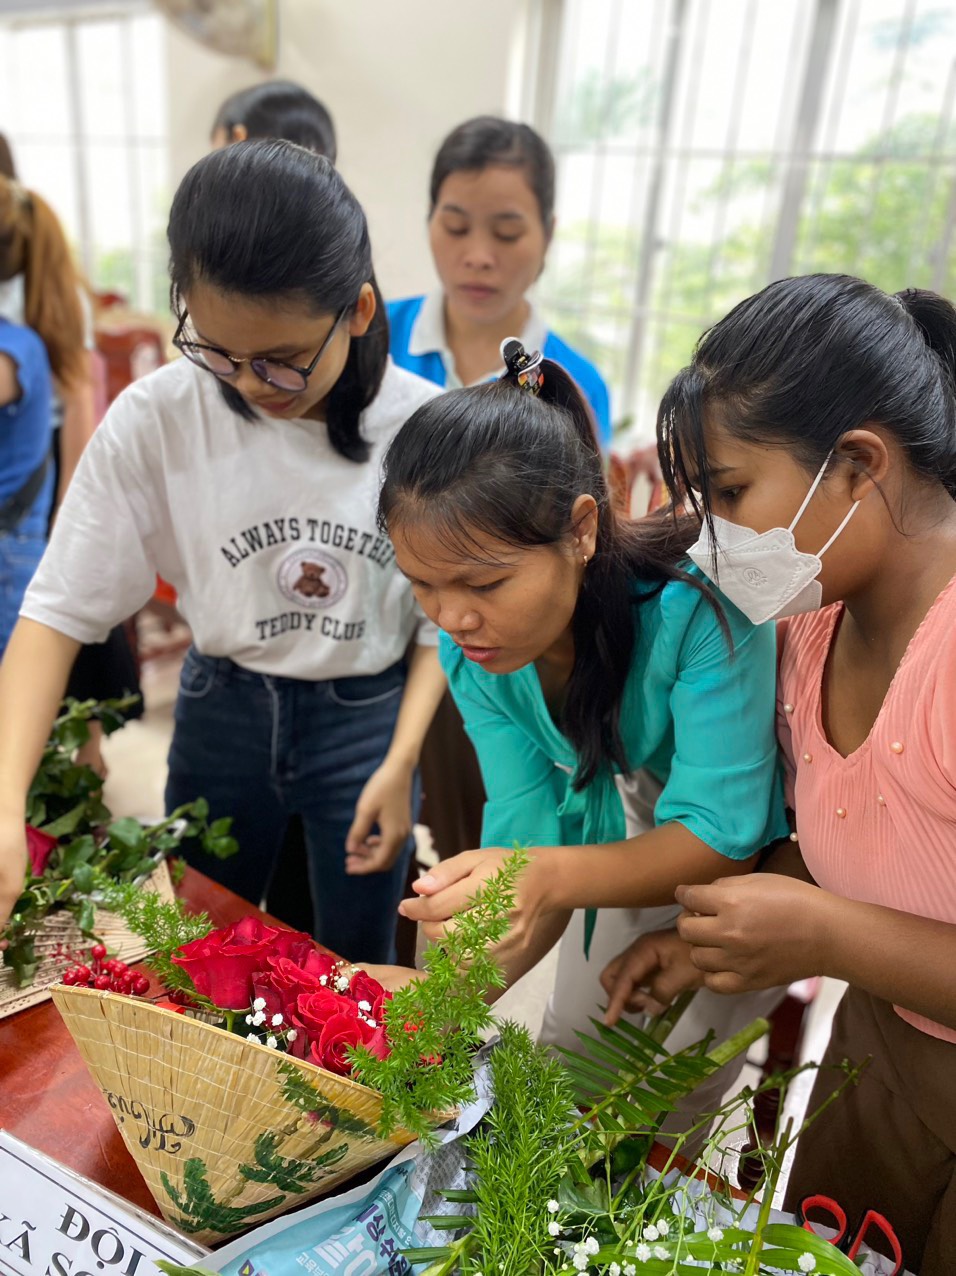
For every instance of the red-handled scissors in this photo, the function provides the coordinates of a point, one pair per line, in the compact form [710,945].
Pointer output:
[848,1240]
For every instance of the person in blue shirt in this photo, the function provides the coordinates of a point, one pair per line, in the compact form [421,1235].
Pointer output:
[26,471]
[623,717]
[490,222]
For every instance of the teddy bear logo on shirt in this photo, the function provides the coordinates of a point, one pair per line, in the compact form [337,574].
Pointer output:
[310,584]
[311,578]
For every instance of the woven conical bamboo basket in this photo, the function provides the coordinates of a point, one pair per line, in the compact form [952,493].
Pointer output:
[226,1132]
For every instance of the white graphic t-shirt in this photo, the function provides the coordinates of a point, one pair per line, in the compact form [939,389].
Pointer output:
[266,533]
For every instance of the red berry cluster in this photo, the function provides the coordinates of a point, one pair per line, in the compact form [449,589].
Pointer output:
[107,975]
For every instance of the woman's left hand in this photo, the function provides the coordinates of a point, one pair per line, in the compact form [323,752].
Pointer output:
[759,931]
[386,801]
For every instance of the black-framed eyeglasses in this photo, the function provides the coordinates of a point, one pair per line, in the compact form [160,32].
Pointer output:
[284,376]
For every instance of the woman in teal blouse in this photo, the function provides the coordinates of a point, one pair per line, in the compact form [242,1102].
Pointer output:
[623,719]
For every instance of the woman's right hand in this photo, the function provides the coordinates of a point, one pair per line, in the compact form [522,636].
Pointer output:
[646,977]
[13,864]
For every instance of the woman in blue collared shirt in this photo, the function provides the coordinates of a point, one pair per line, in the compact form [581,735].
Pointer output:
[490,223]
[623,719]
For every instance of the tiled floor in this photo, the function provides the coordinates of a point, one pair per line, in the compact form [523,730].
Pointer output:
[136,757]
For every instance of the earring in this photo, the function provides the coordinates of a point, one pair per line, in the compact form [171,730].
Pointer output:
[584,561]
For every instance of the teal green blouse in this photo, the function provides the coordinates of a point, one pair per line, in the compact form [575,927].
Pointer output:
[696,714]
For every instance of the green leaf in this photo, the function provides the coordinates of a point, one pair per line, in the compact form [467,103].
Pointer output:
[83,876]
[86,916]
[20,957]
[220,847]
[80,851]
[176,1269]
[127,833]
[424,1254]
[67,823]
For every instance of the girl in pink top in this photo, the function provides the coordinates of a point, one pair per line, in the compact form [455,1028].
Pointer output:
[815,431]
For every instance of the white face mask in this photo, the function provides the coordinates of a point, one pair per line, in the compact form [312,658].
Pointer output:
[763,573]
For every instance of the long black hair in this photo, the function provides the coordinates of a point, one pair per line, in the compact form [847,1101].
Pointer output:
[487,140]
[269,219]
[280,108]
[805,360]
[496,460]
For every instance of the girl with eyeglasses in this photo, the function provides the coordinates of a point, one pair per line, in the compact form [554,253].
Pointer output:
[246,474]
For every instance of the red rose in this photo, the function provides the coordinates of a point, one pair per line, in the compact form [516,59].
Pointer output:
[279,999]
[313,1010]
[378,1010]
[364,988]
[293,943]
[319,964]
[40,847]
[307,971]
[222,963]
[378,1044]
[340,1032]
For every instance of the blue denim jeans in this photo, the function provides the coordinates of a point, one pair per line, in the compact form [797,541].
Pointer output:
[261,749]
[20,554]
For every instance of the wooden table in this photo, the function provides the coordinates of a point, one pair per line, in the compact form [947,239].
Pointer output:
[48,1098]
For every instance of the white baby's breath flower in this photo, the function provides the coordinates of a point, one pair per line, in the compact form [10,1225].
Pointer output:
[663,1226]
[553,1207]
[715,1234]
[365,1005]
[614,1270]
[291,1035]
[591,1246]
[323,980]
[271,1042]
[249,1019]
[580,1262]
[251,1036]
[806,1262]
[276,1020]
[660,1251]
[642,1254]
[554,1229]
[341,984]
[650,1232]
[259,1003]
[259,1018]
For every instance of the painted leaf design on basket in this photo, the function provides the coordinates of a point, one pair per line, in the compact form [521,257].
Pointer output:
[199,1209]
[297,1090]
[289,1175]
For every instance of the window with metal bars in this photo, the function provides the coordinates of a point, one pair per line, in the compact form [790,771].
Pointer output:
[707,147]
[83,104]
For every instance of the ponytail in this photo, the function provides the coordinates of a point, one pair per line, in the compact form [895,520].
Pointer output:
[509,463]
[53,306]
[936,319]
[35,246]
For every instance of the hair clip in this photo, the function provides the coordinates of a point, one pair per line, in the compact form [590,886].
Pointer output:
[523,368]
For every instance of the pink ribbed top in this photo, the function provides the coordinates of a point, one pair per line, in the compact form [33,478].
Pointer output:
[880,825]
